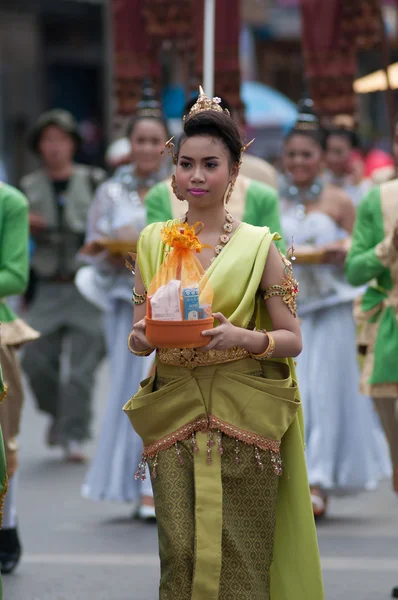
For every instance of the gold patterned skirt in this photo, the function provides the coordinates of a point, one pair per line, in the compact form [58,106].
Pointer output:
[211,439]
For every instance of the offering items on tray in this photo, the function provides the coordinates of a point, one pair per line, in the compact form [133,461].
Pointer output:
[166,303]
[179,296]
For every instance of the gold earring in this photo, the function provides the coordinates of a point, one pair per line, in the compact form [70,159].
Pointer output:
[175,189]
[230,189]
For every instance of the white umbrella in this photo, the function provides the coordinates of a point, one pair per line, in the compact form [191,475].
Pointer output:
[377,81]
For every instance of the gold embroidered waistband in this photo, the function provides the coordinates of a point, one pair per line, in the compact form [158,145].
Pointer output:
[191,358]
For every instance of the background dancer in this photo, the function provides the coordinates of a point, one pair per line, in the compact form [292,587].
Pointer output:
[346,451]
[14,333]
[119,207]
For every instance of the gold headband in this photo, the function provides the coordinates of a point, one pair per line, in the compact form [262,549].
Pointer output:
[346,122]
[306,126]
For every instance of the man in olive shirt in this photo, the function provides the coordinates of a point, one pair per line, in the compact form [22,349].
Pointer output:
[60,194]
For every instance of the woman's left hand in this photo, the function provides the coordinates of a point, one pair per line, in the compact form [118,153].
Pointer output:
[117,260]
[335,253]
[223,337]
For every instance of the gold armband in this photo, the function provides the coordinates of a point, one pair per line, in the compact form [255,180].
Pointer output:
[137,352]
[268,352]
[288,290]
[139,299]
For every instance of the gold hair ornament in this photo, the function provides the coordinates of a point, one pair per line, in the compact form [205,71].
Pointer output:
[171,150]
[243,150]
[205,103]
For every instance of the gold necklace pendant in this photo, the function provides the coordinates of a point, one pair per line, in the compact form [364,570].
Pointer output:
[224,237]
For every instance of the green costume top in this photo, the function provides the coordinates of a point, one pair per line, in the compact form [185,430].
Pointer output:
[14,263]
[261,411]
[252,202]
[374,259]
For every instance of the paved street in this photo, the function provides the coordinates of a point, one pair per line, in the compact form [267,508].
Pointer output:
[79,550]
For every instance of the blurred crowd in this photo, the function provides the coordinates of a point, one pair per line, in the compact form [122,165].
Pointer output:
[77,308]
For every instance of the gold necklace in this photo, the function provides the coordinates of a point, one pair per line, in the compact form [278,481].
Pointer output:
[224,237]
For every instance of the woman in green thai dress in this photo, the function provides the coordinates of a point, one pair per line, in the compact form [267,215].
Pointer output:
[220,424]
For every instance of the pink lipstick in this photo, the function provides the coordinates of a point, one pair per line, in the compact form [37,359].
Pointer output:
[197,191]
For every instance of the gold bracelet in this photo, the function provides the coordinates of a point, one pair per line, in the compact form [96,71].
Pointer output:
[136,352]
[139,299]
[268,352]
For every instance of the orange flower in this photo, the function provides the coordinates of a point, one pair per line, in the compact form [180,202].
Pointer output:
[182,236]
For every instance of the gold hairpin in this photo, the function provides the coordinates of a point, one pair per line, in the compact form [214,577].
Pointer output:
[243,150]
[247,146]
[171,150]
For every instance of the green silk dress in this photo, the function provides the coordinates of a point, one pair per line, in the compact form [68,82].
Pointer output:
[224,443]
[373,259]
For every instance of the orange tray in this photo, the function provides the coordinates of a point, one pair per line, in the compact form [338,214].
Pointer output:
[178,334]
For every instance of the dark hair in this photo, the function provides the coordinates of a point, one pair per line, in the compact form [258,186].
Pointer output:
[217,124]
[316,134]
[135,120]
[348,134]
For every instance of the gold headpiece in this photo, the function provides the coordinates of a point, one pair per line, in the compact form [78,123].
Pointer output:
[204,103]
[306,126]
[346,122]
[307,120]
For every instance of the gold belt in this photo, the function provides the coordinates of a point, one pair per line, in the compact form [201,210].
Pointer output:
[190,358]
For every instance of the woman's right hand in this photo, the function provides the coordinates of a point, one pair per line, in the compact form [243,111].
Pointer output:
[37,223]
[335,253]
[117,261]
[138,335]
